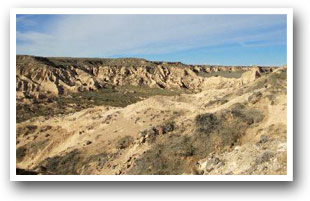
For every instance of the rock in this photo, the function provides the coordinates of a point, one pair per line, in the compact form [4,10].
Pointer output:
[169,127]
[264,157]
[250,76]
[263,139]
[142,140]
[209,169]
[255,97]
[257,74]
[221,164]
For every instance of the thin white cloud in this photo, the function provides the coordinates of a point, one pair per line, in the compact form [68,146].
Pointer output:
[25,20]
[34,37]
[108,35]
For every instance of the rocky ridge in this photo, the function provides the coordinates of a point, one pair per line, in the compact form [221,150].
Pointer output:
[40,77]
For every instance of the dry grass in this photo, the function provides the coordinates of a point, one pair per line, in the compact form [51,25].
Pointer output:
[176,152]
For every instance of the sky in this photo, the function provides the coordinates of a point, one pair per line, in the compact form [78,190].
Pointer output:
[191,39]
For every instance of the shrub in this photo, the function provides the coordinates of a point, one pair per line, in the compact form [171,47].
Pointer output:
[124,142]
[26,130]
[168,127]
[264,157]
[255,97]
[20,153]
[108,95]
[24,172]
[63,165]
[206,122]
[36,146]
[163,158]
[248,115]
[184,147]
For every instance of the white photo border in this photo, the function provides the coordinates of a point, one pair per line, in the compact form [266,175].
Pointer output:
[286,11]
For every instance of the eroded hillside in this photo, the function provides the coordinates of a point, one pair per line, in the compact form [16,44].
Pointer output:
[132,116]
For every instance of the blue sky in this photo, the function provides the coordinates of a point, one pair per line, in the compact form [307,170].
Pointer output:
[191,39]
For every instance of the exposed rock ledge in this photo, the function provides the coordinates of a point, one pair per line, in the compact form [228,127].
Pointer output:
[39,77]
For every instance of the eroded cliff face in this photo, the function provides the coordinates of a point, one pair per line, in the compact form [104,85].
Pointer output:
[39,77]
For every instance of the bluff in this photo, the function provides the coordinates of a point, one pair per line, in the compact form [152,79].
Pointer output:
[41,77]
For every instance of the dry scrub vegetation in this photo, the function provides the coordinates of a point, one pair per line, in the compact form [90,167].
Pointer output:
[234,123]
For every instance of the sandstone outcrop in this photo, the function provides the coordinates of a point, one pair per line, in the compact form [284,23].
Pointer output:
[37,76]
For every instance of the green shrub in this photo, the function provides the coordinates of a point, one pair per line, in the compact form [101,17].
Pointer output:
[109,95]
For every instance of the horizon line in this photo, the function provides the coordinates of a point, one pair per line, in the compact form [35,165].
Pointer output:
[189,64]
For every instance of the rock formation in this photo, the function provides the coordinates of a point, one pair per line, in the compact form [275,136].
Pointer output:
[57,76]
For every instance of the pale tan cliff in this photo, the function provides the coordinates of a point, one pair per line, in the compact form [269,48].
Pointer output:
[57,76]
